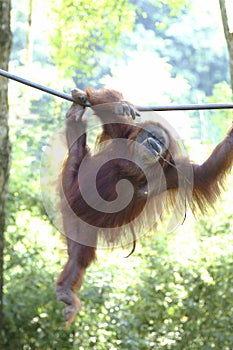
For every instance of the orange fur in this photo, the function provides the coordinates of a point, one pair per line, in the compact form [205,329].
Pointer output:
[208,179]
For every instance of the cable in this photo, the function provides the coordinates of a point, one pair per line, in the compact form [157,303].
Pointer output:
[139,108]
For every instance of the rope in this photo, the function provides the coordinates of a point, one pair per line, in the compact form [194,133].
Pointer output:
[185,107]
[35,85]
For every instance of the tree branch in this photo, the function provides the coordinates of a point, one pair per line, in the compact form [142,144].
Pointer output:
[228,35]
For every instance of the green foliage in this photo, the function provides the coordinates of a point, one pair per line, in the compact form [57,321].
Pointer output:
[84,30]
[175,292]
[176,6]
[211,125]
[220,120]
[187,40]
[22,32]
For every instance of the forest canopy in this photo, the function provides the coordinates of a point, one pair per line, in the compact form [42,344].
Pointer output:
[175,292]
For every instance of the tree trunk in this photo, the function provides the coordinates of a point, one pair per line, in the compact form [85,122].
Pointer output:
[225,12]
[5,45]
[29,44]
